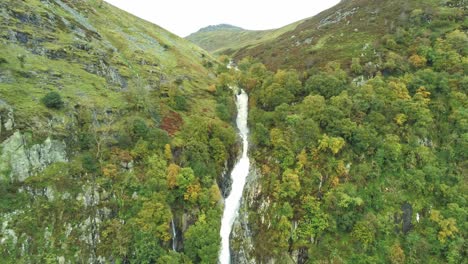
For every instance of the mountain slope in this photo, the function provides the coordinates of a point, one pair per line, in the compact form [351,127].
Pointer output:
[226,39]
[358,140]
[112,136]
[343,31]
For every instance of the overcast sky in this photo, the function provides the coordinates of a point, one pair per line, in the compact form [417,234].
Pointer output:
[183,17]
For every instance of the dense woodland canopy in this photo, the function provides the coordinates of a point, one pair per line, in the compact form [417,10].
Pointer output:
[365,162]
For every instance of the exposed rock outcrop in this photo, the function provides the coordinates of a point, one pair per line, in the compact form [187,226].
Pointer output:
[19,159]
[242,247]
[7,119]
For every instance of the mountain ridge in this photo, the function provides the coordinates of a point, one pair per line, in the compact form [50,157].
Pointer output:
[218,27]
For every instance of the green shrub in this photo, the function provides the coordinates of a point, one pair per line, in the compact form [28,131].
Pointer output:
[180,103]
[140,129]
[52,100]
[89,163]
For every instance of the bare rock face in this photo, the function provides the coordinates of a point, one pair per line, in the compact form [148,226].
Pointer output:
[7,119]
[242,247]
[19,160]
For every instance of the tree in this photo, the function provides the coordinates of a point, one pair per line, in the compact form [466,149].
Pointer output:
[202,239]
[116,238]
[172,172]
[364,233]
[274,95]
[52,100]
[154,218]
[155,174]
[417,61]
[459,41]
[334,144]
[140,129]
[397,255]
[313,221]
[356,67]
[289,80]
[290,184]
[327,84]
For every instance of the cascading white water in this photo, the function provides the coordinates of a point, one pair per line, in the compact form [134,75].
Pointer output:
[174,235]
[238,176]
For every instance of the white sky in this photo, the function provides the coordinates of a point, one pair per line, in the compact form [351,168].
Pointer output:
[183,17]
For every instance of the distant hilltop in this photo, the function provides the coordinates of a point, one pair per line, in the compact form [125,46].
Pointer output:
[219,27]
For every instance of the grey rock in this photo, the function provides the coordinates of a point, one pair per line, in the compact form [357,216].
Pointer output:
[241,235]
[359,81]
[337,17]
[19,161]
[111,74]
[7,119]
[9,124]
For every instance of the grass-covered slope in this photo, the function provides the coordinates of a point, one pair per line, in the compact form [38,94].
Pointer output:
[227,39]
[49,45]
[113,133]
[347,30]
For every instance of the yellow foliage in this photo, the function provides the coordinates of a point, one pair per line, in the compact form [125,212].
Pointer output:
[172,172]
[335,181]
[324,142]
[212,88]
[302,158]
[397,255]
[424,94]
[192,193]
[335,144]
[418,61]
[168,152]
[341,169]
[448,229]
[266,169]
[277,138]
[215,194]
[110,170]
[435,215]
[400,90]
[400,119]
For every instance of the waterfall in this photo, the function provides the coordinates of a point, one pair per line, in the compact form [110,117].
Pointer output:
[174,236]
[238,176]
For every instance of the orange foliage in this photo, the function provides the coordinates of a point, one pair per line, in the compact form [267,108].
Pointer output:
[192,193]
[417,61]
[109,170]
[171,123]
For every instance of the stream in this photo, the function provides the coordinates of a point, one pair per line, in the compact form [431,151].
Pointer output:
[238,176]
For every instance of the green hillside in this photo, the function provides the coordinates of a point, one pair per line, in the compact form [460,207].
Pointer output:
[116,136]
[343,31]
[226,39]
[358,121]
[111,137]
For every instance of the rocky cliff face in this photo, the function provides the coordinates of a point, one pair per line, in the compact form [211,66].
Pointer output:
[242,247]
[7,119]
[244,239]
[20,159]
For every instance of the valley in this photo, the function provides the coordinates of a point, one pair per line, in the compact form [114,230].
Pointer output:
[121,142]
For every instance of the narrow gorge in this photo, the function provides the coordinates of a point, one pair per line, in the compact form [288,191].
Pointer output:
[238,176]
